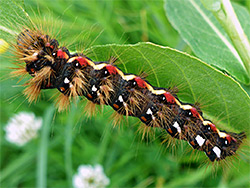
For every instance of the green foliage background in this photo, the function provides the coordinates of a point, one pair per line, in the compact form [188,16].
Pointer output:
[69,139]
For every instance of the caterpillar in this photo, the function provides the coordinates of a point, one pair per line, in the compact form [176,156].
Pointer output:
[52,66]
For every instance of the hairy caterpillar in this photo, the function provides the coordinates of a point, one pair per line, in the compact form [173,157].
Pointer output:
[103,83]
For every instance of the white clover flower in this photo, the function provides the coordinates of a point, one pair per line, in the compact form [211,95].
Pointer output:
[90,177]
[22,128]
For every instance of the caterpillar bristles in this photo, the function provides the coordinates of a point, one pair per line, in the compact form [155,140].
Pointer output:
[62,102]
[34,85]
[134,104]
[127,110]
[165,115]
[117,119]
[136,100]
[106,90]
[42,75]
[90,109]
[32,92]
[112,60]
[19,72]
[79,82]
[154,123]
[146,132]
[103,83]
[168,142]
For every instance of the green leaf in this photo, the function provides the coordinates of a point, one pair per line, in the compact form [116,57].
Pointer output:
[11,14]
[222,99]
[199,28]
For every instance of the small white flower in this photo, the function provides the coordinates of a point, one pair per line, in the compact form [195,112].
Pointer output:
[90,177]
[22,128]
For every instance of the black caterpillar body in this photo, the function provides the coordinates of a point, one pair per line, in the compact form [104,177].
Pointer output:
[103,83]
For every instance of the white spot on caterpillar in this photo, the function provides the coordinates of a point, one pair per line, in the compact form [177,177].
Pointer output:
[71,59]
[186,107]
[129,77]
[100,66]
[105,72]
[217,151]
[94,88]
[222,134]
[200,140]
[226,142]
[158,92]
[120,98]
[54,54]
[176,125]
[149,111]
[70,85]
[77,64]
[66,80]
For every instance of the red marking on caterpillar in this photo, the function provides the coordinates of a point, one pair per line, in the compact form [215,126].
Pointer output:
[228,137]
[170,98]
[60,53]
[213,127]
[194,112]
[111,69]
[140,82]
[82,61]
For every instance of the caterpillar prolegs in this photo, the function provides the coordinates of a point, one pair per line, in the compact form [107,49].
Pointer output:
[74,74]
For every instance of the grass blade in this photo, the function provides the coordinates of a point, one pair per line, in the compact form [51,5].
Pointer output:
[43,149]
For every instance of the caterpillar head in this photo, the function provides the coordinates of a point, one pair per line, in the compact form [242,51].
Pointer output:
[39,53]
[33,45]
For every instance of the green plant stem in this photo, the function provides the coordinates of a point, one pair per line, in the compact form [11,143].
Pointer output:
[104,146]
[228,19]
[68,144]
[42,154]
